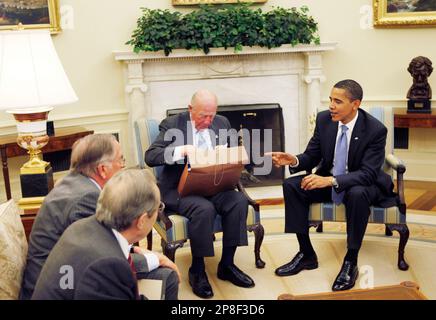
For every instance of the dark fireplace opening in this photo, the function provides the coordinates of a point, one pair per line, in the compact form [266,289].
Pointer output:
[252,117]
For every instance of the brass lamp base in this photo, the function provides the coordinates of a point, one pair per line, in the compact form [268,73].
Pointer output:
[36,175]
[30,203]
[34,166]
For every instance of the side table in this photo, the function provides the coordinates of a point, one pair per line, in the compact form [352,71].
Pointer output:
[63,139]
[403,121]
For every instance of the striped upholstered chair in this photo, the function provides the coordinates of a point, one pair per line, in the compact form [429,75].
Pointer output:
[172,227]
[393,218]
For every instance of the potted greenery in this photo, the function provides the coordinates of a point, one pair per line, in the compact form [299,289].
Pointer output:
[222,26]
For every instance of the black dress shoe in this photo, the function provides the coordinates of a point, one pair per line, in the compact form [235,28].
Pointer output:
[298,263]
[346,277]
[235,276]
[200,285]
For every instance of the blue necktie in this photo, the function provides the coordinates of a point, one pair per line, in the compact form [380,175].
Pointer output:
[340,162]
[202,143]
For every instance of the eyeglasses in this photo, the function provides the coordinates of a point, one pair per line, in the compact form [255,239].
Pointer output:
[122,160]
[161,207]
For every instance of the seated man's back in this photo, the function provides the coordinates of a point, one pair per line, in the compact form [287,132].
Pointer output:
[94,159]
[86,252]
[74,198]
[93,259]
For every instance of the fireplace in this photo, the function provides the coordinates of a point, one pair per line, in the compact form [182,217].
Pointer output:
[289,76]
[255,119]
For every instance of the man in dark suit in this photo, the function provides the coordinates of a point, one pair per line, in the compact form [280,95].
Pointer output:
[94,160]
[348,149]
[201,128]
[92,258]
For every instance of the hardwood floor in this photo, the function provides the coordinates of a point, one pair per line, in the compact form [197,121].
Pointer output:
[420,195]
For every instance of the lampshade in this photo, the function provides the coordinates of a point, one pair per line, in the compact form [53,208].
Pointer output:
[31,74]
[32,82]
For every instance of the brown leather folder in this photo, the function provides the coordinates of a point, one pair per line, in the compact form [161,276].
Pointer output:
[209,172]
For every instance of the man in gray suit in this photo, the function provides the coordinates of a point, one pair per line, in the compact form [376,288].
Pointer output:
[94,160]
[92,259]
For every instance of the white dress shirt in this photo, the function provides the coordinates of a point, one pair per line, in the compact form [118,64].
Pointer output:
[177,155]
[95,182]
[350,125]
[151,258]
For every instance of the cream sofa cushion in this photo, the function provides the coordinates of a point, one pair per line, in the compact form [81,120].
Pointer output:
[13,250]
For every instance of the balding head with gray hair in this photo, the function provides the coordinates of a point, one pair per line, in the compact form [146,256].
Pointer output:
[126,196]
[90,151]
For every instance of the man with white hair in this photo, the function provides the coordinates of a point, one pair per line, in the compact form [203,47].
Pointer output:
[95,252]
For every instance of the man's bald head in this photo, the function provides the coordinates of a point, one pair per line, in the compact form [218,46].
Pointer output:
[203,108]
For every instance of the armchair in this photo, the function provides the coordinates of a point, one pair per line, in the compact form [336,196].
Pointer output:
[394,218]
[172,227]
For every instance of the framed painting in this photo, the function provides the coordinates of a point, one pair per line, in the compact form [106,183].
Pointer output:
[30,14]
[403,13]
[195,2]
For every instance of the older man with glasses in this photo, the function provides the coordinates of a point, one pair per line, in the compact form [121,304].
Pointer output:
[94,160]
[106,268]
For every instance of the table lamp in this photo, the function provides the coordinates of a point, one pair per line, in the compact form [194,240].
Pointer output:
[32,82]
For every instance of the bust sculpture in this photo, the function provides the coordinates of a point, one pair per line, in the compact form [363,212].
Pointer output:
[419,94]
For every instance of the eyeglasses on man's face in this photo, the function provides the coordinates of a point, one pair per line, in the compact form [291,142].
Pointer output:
[122,161]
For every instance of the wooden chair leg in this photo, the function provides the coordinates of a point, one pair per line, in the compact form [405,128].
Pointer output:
[403,230]
[317,225]
[259,232]
[169,249]
[388,232]
[319,228]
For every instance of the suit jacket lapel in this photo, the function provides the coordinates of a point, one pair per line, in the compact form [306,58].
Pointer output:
[214,134]
[186,128]
[356,136]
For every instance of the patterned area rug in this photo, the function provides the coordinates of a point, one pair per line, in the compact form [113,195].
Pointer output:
[377,266]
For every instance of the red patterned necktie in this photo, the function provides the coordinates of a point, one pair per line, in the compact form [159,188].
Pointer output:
[132,266]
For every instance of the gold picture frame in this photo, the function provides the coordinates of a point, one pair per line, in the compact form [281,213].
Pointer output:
[196,2]
[404,13]
[30,14]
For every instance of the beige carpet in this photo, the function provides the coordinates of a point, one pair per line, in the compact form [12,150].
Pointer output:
[377,263]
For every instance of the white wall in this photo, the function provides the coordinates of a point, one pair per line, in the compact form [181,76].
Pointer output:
[377,58]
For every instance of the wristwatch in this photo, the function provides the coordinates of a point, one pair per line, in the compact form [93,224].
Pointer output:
[335,183]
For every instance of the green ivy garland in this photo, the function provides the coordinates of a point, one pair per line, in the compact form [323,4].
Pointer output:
[222,26]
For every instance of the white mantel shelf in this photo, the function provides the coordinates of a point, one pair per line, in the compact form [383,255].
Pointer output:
[214,52]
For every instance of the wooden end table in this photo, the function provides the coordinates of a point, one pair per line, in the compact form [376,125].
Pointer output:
[63,139]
